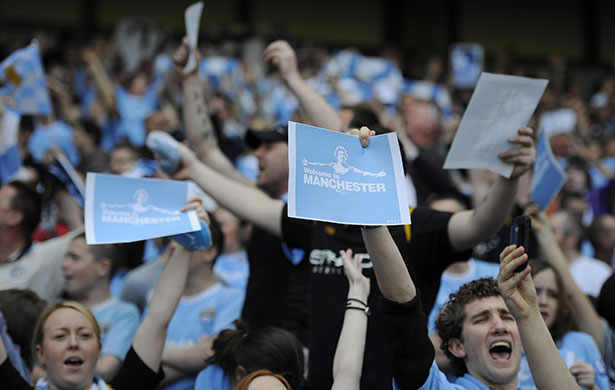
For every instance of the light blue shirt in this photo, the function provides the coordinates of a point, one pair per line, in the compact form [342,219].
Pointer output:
[57,134]
[574,347]
[118,321]
[206,313]
[233,269]
[212,378]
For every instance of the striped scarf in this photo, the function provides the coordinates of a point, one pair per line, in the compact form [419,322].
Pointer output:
[98,384]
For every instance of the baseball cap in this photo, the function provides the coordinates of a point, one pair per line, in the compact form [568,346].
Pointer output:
[254,138]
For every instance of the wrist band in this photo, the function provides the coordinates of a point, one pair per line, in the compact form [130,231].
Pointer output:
[363,309]
[355,300]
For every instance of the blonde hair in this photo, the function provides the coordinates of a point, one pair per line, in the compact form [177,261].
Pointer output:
[38,331]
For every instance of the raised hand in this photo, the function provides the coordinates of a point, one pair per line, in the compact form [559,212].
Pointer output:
[517,288]
[280,54]
[353,268]
[523,155]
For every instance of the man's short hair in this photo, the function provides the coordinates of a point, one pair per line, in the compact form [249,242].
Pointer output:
[449,323]
[91,129]
[27,202]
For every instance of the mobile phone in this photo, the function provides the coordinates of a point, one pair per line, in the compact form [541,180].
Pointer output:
[520,235]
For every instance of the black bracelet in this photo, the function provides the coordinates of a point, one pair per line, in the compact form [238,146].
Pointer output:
[355,300]
[363,309]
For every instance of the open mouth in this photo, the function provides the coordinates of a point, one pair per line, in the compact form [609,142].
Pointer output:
[74,363]
[500,350]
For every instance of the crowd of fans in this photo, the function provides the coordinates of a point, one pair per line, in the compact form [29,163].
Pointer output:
[282,303]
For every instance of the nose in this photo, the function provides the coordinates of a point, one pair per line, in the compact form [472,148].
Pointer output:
[73,341]
[499,326]
[258,152]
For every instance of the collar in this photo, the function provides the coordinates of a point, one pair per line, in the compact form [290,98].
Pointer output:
[18,254]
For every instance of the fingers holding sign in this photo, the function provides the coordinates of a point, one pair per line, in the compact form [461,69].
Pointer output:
[523,155]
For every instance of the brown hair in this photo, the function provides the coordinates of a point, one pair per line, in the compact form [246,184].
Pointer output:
[38,331]
[21,309]
[563,321]
[450,320]
[245,382]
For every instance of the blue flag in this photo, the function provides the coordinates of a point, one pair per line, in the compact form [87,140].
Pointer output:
[333,178]
[10,160]
[22,78]
[549,176]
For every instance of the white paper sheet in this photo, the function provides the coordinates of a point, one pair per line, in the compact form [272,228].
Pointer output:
[500,105]
[193,20]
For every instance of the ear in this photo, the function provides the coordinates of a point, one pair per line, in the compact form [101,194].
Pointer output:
[39,354]
[456,348]
[240,373]
[210,254]
[14,218]
[103,267]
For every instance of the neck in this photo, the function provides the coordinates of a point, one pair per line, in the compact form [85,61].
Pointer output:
[10,242]
[199,282]
[605,255]
[571,254]
[96,295]
[458,267]
[510,385]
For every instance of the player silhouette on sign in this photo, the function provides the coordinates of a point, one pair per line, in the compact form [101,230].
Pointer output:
[140,206]
[340,166]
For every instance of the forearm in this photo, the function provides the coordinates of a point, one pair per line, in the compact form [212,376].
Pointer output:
[348,361]
[547,367]
[198,126]
[316,108]
[3,354]
[585,316]
[245,201]
[107,366]
[186,360]
[468,228]
[149,339]
[200,131]
[391,272]
[103,82]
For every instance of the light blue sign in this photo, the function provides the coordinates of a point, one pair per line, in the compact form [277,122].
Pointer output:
[549,176]
[122,209]
[333,178]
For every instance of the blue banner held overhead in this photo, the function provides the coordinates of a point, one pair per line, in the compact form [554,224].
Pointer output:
[121,209]
[549,176]
[333,178]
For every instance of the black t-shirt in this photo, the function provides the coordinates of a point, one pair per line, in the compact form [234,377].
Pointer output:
[276,294]
[425,247]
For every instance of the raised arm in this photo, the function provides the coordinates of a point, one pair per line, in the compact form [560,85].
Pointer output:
[582,310]
[467,228]
[197,124]
[246,201]
[391,272]
[348,360]
[405,323]
[149,339]
[548,369]
[316,108]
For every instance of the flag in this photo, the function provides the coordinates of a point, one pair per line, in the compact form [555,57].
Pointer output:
[10,160]
[22,78]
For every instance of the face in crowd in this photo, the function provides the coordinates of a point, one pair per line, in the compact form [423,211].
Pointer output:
[67,343]
[490,344]
[273,167]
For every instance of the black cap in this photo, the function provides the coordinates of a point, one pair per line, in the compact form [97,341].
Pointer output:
[254,138]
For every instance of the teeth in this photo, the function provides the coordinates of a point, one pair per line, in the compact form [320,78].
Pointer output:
[500,344]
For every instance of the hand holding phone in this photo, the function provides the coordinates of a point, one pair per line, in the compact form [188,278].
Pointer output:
[520,235]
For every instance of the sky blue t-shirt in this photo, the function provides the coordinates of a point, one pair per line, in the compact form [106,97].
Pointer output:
[58,134]
[574,347]
[118,321]
[212,378]
[206,313]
